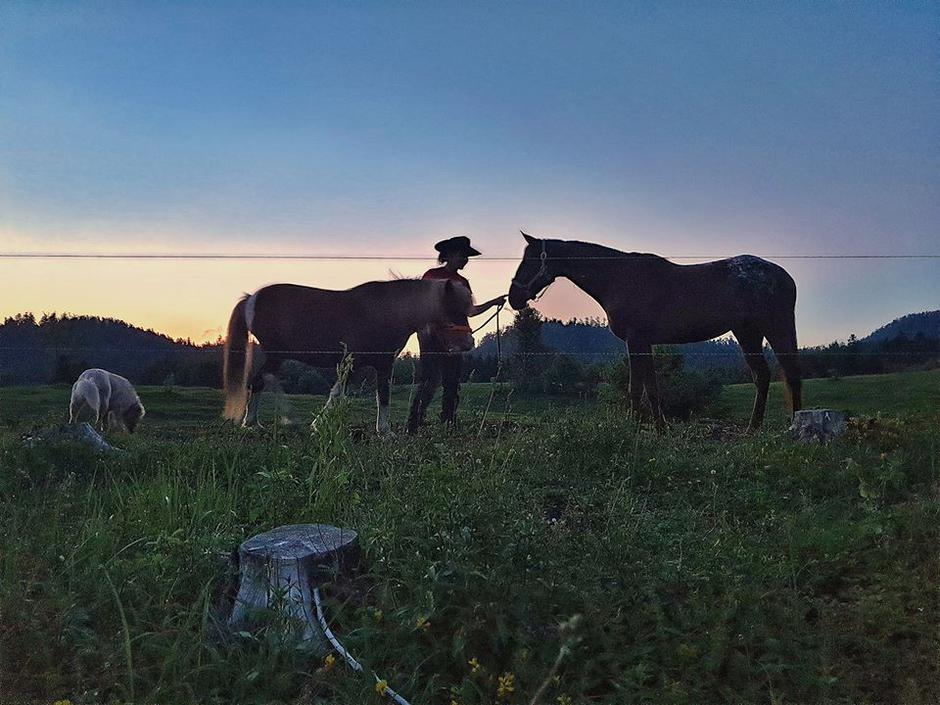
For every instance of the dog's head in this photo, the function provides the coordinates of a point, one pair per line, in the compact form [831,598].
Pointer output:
[132,416]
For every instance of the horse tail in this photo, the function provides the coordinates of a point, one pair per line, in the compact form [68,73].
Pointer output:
[236,362]
[785,348]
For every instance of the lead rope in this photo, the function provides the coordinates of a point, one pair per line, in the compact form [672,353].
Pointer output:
[348,657]
[499,349]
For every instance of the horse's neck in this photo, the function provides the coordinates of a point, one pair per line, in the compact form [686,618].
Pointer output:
[592,276]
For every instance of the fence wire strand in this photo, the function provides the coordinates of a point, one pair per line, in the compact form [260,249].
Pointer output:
[422,258]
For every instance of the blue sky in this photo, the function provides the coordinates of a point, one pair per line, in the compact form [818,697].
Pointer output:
[677,128]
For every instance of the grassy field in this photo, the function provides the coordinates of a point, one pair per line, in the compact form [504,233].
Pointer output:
[696,566]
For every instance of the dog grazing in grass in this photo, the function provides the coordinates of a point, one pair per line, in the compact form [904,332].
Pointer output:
[111,397]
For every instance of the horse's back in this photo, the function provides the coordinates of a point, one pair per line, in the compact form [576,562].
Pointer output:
[757,274]
[316,325]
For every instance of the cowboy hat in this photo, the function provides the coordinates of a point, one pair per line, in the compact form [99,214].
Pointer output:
[459,244]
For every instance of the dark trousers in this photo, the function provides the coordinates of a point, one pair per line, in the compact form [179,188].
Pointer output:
[438,367]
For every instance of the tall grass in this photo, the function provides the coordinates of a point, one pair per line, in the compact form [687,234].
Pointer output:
[702,565]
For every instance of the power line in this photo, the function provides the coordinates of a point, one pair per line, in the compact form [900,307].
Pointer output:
[413,258]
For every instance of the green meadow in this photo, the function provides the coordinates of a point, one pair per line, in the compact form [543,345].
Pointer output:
[549,550]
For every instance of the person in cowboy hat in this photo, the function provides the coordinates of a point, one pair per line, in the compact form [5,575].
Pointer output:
[436,364]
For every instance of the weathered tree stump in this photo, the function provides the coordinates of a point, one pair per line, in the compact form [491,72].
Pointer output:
[817,425]
[279,569]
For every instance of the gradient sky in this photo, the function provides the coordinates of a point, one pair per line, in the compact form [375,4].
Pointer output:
[378,128]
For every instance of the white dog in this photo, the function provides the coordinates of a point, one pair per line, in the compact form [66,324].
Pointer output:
[111,397]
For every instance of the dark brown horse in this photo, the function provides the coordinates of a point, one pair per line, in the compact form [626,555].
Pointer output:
[652,301]
[372,322]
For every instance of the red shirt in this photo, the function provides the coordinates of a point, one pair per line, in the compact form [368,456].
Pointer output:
[443,273]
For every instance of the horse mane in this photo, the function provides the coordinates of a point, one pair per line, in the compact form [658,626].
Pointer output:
[408,284]
[396,283]
[592,249]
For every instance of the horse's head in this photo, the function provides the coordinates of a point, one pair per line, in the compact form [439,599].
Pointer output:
[454,327]
[533,274]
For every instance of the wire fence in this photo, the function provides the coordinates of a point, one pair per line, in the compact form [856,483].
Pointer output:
[424,258]
[217,349]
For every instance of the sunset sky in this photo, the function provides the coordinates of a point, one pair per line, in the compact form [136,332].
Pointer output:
[685,129]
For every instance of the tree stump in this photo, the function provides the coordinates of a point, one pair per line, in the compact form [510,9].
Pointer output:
[278,568]
[817,425]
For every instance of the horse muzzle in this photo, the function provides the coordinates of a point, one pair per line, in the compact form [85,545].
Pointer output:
[457,338]
[518,297]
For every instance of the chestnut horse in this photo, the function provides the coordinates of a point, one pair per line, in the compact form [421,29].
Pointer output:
[371,322]
[652,301]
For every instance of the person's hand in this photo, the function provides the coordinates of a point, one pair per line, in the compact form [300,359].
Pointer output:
[499,300]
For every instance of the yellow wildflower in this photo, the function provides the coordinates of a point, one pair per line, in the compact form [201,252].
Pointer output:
[377,615]
[474,665]
[422,624]
[506,686]
[563,700]
[62,702]
[381,686]
[329,662]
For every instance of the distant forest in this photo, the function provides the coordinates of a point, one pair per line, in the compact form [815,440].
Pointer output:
[573,354]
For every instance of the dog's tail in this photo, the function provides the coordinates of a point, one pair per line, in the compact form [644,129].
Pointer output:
[236,363]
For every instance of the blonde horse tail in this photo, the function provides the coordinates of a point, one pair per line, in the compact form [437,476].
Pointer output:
[236,364]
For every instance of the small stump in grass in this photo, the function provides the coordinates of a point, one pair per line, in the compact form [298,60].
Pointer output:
[817,425]
[279,569]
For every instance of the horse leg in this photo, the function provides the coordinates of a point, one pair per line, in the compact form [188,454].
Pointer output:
[450,376]
[429,373]
[783,341]
[643,376]
[636,385]
[255,389]
[383,383]
[751,341]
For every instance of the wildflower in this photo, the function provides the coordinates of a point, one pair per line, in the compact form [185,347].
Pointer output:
[329,662]
[62,702]
[474,665]
[455,696]
[381,686]
[422,624]
[377,615]
[563,700]
[506,686]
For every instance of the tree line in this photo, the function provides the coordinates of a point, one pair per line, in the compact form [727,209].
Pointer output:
[56,348]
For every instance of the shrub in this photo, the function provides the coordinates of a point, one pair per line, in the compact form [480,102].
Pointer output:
[682,393]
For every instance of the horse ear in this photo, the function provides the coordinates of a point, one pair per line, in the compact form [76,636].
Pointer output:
[528,238]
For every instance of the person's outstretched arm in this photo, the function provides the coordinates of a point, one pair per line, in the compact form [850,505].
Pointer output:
[487,305]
